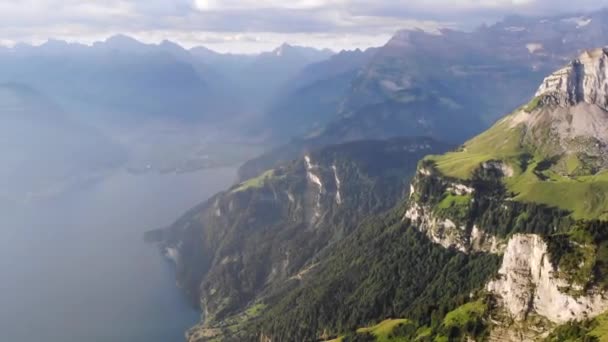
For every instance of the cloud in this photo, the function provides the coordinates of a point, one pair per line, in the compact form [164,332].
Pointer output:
[215,21]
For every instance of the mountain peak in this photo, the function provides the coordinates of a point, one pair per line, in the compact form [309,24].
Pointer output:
[585,79]
[121,42]
[282,50]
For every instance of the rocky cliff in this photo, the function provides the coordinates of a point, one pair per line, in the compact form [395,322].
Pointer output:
[527,283]
[582,80]
[530,189]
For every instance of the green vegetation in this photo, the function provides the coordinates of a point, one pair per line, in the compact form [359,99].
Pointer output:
[501,142]
[382,331]
[256,182]
[591,330]
[369,275]
[468,320]
[464,314]
[533,104]
[600,328]
[455,207]
[255,310]
[538,175]
[581,254]
[587,196]
[251,244]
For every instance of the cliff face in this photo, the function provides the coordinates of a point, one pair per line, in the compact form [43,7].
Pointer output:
[532,292]
[527,284]
[582,80]
[446,223]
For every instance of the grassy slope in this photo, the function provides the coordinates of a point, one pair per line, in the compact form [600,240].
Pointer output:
[464,314]
[585,196]
[382,330]
[595,330]
[256,182]
[459,317]
[600,331]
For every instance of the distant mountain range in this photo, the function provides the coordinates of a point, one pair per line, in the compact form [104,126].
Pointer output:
[124,78]
[448,85]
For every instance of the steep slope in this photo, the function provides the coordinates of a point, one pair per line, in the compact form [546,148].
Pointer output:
[452,84]
[310,99]
[533,187]
[555,144]
[503,239]
[246,243]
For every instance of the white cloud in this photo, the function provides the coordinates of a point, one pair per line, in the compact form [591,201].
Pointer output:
[353,22]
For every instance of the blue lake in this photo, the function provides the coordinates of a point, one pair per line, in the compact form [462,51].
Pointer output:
[74,267]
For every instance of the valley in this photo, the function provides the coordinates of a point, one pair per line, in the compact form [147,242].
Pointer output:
[445,183]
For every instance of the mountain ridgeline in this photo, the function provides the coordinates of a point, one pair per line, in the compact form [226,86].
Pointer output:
[448,84]
[502,239]
[266,233]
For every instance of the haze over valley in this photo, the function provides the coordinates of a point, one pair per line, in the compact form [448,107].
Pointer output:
[333,171]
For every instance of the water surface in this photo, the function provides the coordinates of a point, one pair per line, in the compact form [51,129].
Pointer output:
[75,268]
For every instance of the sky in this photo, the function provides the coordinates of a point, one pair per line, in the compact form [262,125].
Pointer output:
[249,26]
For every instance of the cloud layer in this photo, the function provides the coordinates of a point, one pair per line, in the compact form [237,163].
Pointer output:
[253,25]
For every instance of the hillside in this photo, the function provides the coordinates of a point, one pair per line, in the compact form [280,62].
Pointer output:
[556,144]
[246,243]
[503,239]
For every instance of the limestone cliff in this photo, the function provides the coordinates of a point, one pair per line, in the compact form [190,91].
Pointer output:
[446,223]
[583,80]
[527,284]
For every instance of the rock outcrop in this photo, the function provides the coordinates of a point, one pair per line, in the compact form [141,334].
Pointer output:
[445,232]
[441,228]
[526,285]
[583,80]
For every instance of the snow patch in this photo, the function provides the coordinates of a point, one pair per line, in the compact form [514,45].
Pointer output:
[338,183]
[579,21]
[534,47]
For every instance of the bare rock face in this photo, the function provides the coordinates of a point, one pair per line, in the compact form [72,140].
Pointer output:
[570,112]
[526,285]
[583,80]
[447,231]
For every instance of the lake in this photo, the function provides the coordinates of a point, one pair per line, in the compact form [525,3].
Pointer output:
[75,268]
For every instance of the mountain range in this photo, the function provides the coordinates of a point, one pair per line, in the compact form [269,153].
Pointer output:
[501,239]
[450,85]
[126,78]
[364,221]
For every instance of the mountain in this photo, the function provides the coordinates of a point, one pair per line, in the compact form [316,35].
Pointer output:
[450,85]
[503,239]
[125,79]
[554,144]
[120,77]
[311,98]
[268,73]
[244,244]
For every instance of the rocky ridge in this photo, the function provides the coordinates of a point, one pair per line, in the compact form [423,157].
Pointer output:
[582,80]
[262,234]
[567,117]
